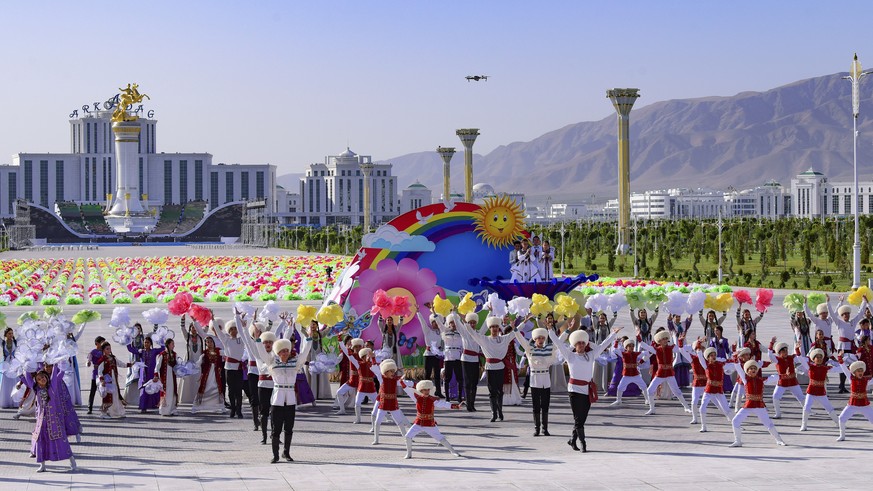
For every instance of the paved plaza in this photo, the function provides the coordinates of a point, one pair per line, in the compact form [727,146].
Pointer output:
[627,450]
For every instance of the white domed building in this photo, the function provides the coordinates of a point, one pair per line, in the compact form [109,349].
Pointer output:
[415,196]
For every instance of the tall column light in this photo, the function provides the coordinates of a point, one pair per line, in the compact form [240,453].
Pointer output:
[855,76]
[367,169]
[623,101]
[468,138]
[446,153]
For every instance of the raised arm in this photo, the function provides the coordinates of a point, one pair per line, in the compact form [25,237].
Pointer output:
[305,347]
[521,340]
[722,318]
[860,314]
[654,316]
[563,348]
[647,348]
[79,332]
[606,343]
[200,330]
[742,375]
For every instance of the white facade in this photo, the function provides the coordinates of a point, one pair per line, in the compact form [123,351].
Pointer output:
[813,196]
[415,196]
[88,173]
[333,192]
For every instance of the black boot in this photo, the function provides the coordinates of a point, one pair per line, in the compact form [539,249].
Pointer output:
[536,424]
[582,439]
[493,401]
[471,399]
[474,390]
[843,383]
[256,417]
[275,443]
[546,424]
[572,441]
[499,407]
[287,454]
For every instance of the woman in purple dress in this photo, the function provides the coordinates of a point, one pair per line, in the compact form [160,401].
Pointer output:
[301,387]
[149,356]
[49,438]
[71,419]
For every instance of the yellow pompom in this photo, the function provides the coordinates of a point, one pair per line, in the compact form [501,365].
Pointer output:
[441,306]
[330,315]
[723,302]
[467,305]
[305,314]
[566,305]
[540,304]
[858,295]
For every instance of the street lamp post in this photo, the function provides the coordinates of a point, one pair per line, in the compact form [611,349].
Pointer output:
[855,76]
[636,267]
[720,225]
[562,248]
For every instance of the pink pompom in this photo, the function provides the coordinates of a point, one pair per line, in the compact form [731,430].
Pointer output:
[401,306]
[200,314]
[743,296]
[382,304]
[180,304]
[763,299]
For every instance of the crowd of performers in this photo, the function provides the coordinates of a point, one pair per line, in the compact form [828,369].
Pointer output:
[272,366]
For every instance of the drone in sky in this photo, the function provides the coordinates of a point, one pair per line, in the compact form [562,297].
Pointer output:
[476,78]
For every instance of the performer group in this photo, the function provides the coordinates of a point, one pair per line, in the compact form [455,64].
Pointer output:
[275,364]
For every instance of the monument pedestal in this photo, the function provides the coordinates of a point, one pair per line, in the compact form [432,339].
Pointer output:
[127,215]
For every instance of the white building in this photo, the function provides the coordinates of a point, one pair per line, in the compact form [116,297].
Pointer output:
[333,192]
[87,174]
[415,196]
[768,201]
[813,196]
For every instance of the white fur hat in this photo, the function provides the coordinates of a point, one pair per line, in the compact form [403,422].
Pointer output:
[282,344]
[578,337]
[357,342]
[472,316]
[365,352]
[822,308]
[229,324]
[454,319]
[424,385]
[387,365]
[744,351]
[493,321]
[858,365]
[217,322]
[662,336]
[709,351]
[845,309]
[780,346]
[815,352]
[749,364]
[433,318]
[629,342]
[268,336]
[259,326]
[539,333]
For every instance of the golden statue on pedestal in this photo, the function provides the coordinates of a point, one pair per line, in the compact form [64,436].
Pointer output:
[127,98]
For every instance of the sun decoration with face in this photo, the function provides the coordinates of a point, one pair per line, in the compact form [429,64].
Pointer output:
[499,221]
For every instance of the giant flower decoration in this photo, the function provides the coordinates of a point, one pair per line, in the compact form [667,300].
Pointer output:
[404,278]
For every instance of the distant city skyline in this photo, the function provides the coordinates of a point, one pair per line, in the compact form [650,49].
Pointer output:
[287,83]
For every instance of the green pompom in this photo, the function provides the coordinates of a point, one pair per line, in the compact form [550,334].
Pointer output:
[86,315]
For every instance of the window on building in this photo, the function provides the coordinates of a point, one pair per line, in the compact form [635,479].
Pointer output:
[228,187]
[835,204]
[44,182]
[168,182]
[860,203]
[260,191]
[28,180]
[87,178]
[244,185]
[311,197]
[59,180]
[183,181]
[109,172]
[870,203]
[198,180]
[93,178]
[141,177]
[87,137]
[360,194]
[318,196]
[847,204]
[213,189]
[105,175]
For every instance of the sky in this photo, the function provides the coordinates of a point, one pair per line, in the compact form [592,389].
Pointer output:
[289,82]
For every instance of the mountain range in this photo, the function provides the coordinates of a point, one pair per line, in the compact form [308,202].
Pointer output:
[740,141]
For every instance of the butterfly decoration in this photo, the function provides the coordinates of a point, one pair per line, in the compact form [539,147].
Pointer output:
[353,323]
[408,342]
[480,298]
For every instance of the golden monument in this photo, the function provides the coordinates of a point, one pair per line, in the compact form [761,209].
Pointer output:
[127,98]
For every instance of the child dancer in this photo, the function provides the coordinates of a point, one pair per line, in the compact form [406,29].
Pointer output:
[366,388]
[49,439]
[346,391]
[698,382]
[389,378]
[741,357]
[817,390]
[787,376]
[539,357]
[113,404]
[714,391]
[93,361]
[166,375]
[424,420]
[858,402]
[630,373]
[754,404]
[664,353]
